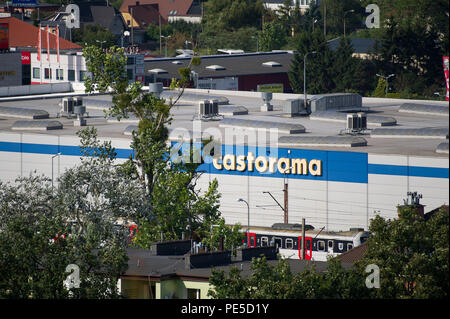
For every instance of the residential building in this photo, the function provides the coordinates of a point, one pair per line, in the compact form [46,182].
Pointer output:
[170,10]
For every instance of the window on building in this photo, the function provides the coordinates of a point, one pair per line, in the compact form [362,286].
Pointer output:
[320,245]
[277,242]
[193,293]
[36,73]
[59,74]
[83,75]
[341,246]
[47,73]
[131,60]
[289,243]
[264,241]
[130,74]
[71,75]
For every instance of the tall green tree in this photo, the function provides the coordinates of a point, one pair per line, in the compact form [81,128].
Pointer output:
[43,229]
[319,66]
[175,202]
[272,37]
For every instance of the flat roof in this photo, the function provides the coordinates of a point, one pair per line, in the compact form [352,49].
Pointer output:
[186,110]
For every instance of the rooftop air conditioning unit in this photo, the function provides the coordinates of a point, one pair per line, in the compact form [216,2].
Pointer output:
[362,121]
[213,107]
[352,122]
[67,105]
[77,101]
[204,108]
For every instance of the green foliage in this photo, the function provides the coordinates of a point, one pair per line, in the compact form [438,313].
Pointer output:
[380,91]
[229,15]
[232,236]
[271,38]
[85,207]
[244,39]
[93,35]
[412,255]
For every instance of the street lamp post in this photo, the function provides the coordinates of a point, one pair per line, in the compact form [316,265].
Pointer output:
[125,34]
[52,167]
[165,37]
[314,22]
[344,18]
[248,220]
[304,76]
[386,78]
[101,43]
[257,44]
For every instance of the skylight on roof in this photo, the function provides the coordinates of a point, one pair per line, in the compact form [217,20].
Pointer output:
[158,71]
[272,64]
[215,67]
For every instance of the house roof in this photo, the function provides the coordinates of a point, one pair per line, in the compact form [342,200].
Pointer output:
[145,15]
[142,263]
[431,213]
[360,45]
[353,254]
[233,64]
[22,34]
[166,7]
[97,12]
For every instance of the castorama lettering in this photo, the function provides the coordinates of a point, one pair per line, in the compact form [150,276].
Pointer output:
[263,164]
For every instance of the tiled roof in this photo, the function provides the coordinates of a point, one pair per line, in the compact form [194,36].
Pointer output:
[22,34]
[165,6]
[354,254]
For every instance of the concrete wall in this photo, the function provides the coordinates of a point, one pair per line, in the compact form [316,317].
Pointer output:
[10,69]
[21,90]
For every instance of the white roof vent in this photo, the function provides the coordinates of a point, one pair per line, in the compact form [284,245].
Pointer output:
[272,64]
[158,71]
[215,67]
[177,62]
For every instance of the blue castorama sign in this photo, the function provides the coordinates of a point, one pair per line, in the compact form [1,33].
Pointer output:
[279,162]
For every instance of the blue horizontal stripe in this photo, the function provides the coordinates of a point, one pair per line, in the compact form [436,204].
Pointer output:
[351,167]
[54,149]
[417,171]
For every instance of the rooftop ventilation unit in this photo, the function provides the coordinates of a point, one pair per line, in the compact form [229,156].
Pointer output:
[294,107]
[209,110]
[267,97]
[356,123]
[155,89]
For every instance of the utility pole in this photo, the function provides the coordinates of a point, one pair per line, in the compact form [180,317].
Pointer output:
[304,79]
[325,18]
[303,239]
[160,43]
[286,205]
[132,38]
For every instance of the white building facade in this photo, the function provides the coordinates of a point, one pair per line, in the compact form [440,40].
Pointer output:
[337,190]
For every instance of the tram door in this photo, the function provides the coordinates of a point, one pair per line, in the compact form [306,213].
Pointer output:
[308,248]
[251,238]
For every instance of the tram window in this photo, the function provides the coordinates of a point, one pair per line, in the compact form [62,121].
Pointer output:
[264,241]
[349,246]
[277,242]
[289,243]
[320,245]
[330,244]
[252,241]
[341,246]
